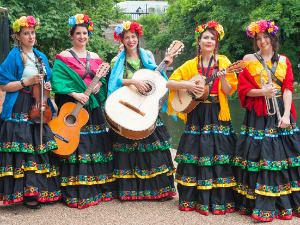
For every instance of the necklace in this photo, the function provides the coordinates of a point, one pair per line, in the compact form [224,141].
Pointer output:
[33,61]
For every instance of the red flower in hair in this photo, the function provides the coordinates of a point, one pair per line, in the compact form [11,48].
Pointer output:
[197,29]
[203,25]
[212,24]
[116,36]
[139,30]
[134,26]
[86,18]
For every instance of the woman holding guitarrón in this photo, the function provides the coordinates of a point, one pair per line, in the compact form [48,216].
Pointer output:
[28,172]
[143,168]
[268,149]
[87,174]
[204,175]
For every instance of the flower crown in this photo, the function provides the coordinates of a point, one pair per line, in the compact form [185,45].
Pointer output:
[213,24]
[262,26]
[127,25]
[80,19]
[24,21]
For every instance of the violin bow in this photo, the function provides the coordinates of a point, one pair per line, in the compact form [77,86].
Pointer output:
[42,107]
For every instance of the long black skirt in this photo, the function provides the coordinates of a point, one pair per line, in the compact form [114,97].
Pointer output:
[204,174]
[267,161]
[144,168]
[87,174]
[26,167]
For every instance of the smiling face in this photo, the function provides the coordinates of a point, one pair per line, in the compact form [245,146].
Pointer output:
[263,42]
[80,36]
[27,37]
[207,42]
[130,40]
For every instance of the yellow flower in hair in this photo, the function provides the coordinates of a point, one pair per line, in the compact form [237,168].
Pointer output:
[79,18]
[90,28]
[200,29]
[270,29]
[126,25]
[219,29]
[23,21]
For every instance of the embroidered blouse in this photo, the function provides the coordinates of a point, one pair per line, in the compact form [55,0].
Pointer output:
[135,63]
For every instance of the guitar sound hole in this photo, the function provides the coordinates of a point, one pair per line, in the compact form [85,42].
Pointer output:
[190,94]
[71,119]
[151,89]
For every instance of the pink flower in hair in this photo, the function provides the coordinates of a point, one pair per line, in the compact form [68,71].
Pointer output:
[31,21]
[263,25]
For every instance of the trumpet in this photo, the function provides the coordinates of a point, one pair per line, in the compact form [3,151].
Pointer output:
[269,100]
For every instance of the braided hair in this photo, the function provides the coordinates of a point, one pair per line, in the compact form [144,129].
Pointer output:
[18,44]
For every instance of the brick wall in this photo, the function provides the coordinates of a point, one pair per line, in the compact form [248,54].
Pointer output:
[2,96]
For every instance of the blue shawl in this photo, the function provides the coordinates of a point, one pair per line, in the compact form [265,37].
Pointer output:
[116,77]
[12,70]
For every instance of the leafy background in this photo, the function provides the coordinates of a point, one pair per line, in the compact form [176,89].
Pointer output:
[178,22]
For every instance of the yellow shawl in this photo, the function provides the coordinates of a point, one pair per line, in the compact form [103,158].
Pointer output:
[188,70]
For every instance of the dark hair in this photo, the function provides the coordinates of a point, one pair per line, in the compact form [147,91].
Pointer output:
[79,25]
[274,42]
[214,33]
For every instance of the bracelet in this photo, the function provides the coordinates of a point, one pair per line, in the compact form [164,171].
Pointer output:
[22,82]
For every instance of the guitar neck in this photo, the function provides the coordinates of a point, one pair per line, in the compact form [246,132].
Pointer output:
[87,92]
[211,78]
[161,67]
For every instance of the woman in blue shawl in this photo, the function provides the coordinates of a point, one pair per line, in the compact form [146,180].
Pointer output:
[143,168]
[28,172]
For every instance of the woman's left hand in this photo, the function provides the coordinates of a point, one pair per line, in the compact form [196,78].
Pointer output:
[284,122]
[221,74]
[47,86]
[168,59]
[96,89]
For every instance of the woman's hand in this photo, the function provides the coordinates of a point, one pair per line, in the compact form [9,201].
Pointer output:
[47,86]
[140,85]
[80,97]
[270,91]
[195,88]
[168,59]
[222,74]
[284,121]
[36,79]
[97,87]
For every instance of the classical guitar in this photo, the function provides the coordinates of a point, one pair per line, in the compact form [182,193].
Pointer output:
[66,126]
[184,101]
[132,113]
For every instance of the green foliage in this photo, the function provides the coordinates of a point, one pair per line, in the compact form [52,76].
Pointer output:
[296,87]
[183,16]
[52,37]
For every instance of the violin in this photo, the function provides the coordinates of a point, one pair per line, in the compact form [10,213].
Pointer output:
[40,112]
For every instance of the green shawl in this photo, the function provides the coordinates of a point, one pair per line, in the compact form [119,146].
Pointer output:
[64,80]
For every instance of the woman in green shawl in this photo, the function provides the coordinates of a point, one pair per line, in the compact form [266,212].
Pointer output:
[86,175]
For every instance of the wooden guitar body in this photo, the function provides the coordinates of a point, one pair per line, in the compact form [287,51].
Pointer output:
[67,130]
[185,101]
[133,114]
[66,127]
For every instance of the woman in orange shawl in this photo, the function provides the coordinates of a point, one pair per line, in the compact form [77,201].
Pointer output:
[204,173]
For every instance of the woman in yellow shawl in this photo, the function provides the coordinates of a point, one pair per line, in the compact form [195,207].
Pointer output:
[204,175]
